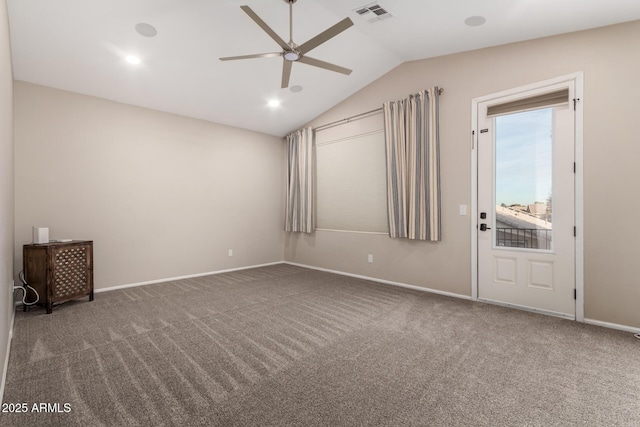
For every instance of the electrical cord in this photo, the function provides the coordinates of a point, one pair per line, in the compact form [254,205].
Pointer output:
[24,290]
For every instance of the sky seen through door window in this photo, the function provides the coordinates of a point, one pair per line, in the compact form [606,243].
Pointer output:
[524,157]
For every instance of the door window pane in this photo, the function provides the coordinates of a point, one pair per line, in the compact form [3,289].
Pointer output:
[524,179]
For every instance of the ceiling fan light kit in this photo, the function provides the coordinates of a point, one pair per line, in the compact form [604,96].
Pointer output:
[292,52]
[291,55]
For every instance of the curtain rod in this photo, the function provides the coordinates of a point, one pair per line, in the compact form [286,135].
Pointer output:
[348,119]
[357,116]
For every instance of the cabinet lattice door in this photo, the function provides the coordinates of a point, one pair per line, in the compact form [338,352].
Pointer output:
[60,272]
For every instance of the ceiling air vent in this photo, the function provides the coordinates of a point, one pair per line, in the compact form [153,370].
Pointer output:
[373,12]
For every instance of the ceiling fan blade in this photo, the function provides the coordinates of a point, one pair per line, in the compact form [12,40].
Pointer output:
[257,55]
[265,27]
[286,73]
[325,65]
[325,35]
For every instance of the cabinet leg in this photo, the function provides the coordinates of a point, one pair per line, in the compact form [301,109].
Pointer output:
[91,296]
[49,308]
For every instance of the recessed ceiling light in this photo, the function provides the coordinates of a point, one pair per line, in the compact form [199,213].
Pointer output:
[475,21]
[146,30]
[274,103]
[132,59]
[296,88]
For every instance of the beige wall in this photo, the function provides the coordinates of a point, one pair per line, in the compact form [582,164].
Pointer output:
[6,188]
[160,195]
[611,63]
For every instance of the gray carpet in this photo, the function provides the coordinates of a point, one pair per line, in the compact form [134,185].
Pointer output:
[287,346]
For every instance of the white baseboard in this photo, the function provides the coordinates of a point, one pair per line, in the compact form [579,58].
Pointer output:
[190,276]
[5,366]
[387,282]
[613,326]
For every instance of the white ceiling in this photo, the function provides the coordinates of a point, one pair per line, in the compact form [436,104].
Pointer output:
[80,45]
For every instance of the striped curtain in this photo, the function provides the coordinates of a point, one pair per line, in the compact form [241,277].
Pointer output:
[298,207]
[413,166]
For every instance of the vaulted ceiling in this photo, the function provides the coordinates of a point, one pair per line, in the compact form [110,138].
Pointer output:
[82,45]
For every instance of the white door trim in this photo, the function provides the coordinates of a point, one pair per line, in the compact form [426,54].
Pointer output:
[577,78]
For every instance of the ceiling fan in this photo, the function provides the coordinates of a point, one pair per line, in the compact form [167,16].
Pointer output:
[292,52]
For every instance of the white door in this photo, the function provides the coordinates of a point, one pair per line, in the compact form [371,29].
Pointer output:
[526,200]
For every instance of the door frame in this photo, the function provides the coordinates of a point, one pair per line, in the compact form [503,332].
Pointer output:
[578,79]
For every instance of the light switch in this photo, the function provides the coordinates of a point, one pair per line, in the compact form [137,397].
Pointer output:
[463,209]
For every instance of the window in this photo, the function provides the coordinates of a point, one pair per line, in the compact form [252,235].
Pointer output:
[523,179]
[524,140]
[351,177]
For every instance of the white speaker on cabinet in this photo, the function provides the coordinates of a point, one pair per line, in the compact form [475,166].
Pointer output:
[40,235]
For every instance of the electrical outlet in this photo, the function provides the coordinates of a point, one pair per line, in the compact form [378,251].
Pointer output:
[370,258]
[230,252]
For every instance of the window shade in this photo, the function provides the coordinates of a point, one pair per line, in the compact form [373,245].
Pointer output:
[351,183]
[545,100]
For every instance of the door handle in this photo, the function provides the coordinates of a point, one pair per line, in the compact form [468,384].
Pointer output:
[483,227]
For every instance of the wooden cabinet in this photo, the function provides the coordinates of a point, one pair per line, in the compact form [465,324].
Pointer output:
[59,271]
